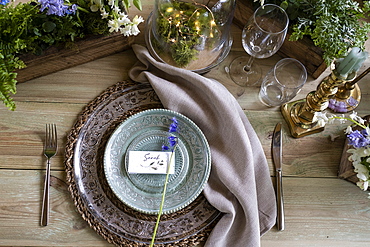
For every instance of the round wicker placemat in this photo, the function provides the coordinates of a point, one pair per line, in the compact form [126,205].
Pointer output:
[92,196]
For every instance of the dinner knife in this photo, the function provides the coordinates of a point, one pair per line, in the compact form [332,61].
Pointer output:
[277,159]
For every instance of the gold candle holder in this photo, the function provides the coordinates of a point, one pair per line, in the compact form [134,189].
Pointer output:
[300,114]
[349,93]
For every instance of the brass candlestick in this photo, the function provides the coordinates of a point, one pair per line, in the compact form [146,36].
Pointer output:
[300,114]
[349,94]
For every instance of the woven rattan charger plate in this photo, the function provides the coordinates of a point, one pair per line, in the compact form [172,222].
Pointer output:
[92,196]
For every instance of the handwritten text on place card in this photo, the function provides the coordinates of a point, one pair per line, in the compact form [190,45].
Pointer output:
[150,162]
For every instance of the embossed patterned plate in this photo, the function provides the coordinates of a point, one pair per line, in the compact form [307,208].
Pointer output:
[148,131]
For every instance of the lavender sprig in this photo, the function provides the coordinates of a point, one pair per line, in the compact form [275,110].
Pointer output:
[57,7]
[172,140]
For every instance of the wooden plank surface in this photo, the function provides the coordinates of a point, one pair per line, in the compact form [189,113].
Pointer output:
[310,220]
[20,212]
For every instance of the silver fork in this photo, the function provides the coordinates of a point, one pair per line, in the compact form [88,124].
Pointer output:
[50,149]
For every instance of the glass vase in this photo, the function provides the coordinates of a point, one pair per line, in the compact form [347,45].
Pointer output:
[189,34]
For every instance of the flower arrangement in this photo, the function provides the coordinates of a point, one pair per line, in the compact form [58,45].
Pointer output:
[359,139]
[172,140]
[34,26]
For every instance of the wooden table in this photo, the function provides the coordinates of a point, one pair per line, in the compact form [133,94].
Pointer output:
[320,209]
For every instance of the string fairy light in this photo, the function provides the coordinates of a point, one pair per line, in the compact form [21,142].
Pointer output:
[184,26]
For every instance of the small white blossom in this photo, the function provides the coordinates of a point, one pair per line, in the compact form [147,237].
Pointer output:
[364,185]
[113,25]
[124,21]
[320,117]
[135,30]
[353,115]
[126,31]
[137,20]
[116,10]
[367,129]
[122,15]
[356,118]
[104,14]
[348,130]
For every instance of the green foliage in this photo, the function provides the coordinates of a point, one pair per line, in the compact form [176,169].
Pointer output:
[365,163]
[24,29]
[137,4]
[333,25]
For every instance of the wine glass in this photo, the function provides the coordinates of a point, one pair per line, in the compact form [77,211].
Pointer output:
[262,37]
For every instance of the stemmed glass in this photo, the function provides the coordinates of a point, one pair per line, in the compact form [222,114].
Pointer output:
[262,37]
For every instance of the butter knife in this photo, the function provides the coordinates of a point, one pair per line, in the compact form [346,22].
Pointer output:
[277,159]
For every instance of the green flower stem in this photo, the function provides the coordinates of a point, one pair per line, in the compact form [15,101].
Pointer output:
[83,9]
[163,197]
[350,119]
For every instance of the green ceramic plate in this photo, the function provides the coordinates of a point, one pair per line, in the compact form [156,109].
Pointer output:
[148,131]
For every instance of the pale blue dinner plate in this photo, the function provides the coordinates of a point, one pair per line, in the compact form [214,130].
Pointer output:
[148,131]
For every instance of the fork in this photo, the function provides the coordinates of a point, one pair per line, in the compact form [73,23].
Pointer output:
[50,149]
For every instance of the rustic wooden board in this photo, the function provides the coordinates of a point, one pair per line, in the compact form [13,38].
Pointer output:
[59,58]
[303,50]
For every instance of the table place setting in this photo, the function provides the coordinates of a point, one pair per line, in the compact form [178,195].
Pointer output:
[169,155]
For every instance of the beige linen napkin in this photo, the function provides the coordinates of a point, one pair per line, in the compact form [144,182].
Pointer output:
[240,183]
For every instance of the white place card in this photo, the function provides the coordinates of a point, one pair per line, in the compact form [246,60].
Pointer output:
[150,162]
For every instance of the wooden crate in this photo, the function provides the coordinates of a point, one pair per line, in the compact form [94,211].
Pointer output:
[58,58]
[303,50]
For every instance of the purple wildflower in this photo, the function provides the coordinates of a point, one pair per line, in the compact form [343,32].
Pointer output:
[165,148]
[4,2]
[364,132]
[357,139]
[173,126]
[72,9]
[172,140]
[57,7]
[352,101]
[337,106]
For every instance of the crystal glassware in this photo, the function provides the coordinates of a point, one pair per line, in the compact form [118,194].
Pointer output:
[262,37]
[282,82]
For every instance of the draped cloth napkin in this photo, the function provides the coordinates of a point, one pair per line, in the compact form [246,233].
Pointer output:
[239,184]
